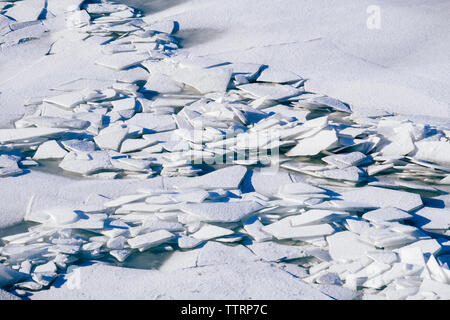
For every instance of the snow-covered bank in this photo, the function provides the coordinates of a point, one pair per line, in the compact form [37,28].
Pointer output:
[403,67]
[375,184]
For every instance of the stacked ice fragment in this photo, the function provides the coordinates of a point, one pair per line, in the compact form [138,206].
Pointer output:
[293,176]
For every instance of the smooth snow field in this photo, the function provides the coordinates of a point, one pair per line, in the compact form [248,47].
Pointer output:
[206,149]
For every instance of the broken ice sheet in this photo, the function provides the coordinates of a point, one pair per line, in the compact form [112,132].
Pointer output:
[325,101]
[116,243]
[313,145]
[111,137]
[431,246]
[270,91]
[29,286]
[221,211]
[204,80]
[386,214]
[78,146]
[102,8]
[284,229]
[254,228]
[401,144]
[188,242]
[190,196]
[343,223]
[152,122]
[9,166]
[433,151]
[383,256]
[398,270]
[300,188]
[226,178]
[288,112]
[18,253]
[208,232]
[56,122]
[272,74]
[382,198]
[315,216]
[68,100]
[341,242]
[49,150]
[77,19]
[435,287]
[348,174]
[122,60]
[59,216]
[121,255]
[23,134]
[162,83]
[125,107]
[432,219]
[26,10]
[9,276]
[93,162]
[345,160]
[150,239]
[374,169]
[273,251]
[124,200]
[163,26]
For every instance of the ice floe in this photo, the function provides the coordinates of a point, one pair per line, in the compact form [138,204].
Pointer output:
[255,169]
